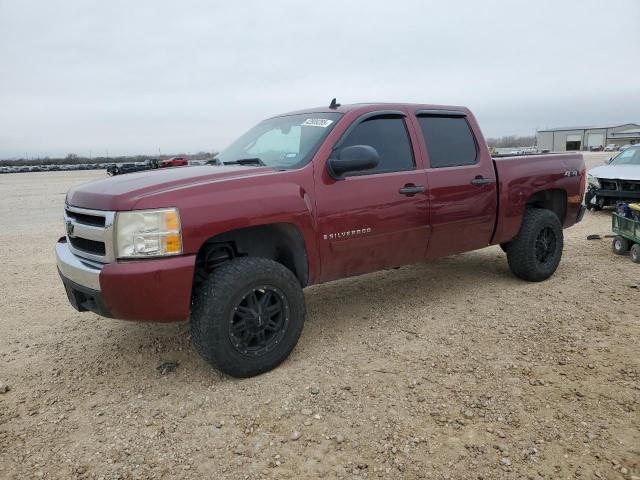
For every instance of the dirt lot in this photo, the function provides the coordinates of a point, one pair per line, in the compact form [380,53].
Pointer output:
[449,369]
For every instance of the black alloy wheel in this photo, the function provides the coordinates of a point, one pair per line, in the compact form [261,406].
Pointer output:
[259,320]
[545,245]
[247,316]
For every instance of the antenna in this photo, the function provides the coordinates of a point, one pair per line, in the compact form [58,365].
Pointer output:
[334,104]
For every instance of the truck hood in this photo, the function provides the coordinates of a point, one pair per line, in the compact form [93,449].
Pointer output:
[616,172]
[122,192]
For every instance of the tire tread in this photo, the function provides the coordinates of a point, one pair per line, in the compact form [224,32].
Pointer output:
[208,320]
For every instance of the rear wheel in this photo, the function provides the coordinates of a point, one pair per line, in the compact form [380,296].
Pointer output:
[247,316]
[620,245]
[534,254]
[635,253]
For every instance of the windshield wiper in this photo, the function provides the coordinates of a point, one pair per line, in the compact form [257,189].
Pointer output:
[246,161]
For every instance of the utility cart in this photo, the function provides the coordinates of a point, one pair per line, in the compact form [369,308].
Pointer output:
[627,237]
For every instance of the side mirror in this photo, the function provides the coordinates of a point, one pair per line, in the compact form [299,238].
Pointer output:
[353,159]
[608,161]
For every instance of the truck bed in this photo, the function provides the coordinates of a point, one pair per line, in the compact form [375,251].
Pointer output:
[526,174]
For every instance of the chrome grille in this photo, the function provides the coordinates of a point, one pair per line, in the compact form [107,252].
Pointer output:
[90,233]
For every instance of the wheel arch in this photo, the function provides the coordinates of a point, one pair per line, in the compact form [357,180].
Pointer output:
[553,199]
[281,242]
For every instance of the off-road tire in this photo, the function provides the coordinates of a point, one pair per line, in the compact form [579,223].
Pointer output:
[213,308]
[522,254]
[620,245]
[635,253]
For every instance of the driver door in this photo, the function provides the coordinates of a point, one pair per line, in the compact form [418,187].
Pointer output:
[378,218]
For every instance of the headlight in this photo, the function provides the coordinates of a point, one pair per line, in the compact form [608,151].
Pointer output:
[148,233]
[593,181]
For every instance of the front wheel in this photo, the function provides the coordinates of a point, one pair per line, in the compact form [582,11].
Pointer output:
[635,253]
[247,316]
[534,254]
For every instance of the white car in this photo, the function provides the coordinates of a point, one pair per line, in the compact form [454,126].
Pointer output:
[618,179]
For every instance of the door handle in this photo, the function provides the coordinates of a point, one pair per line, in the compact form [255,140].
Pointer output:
[410,189]
[479,180]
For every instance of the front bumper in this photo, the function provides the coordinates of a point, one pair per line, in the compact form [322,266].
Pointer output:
[618,194]
[83,298]
[156,290]
[78,270]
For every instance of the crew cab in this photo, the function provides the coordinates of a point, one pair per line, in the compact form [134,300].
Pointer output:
[174,162]
[300,199]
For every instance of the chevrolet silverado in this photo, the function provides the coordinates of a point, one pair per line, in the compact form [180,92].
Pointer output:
[303,198]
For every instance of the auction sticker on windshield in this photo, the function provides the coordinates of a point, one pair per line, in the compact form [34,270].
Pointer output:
[317,122]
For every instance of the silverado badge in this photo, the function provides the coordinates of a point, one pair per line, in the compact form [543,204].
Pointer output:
[348,233]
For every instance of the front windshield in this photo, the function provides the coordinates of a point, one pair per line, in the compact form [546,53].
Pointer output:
[282,142]
[631,156]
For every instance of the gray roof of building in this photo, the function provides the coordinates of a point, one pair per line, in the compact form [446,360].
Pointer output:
[588,127]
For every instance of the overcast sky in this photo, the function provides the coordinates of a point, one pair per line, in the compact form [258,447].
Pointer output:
[184,76]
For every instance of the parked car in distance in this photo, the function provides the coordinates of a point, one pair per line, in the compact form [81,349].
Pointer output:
[122,168]
[596,148]
[174,162]
[300,199]
[618,179]
[612,147]
[624,147]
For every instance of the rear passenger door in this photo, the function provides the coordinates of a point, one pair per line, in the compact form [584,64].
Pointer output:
[462,183]
[370,220]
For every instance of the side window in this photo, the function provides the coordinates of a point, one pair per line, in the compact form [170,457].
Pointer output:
[388,135]
[449,140]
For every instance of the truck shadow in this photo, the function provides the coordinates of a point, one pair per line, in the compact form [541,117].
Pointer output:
[428,284]
[343,303]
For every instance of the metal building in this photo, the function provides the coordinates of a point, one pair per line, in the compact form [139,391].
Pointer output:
[583,138]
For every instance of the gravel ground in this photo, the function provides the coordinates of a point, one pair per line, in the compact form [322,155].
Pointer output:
[445,370]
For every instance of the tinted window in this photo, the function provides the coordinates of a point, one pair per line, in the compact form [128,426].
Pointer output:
[449,141]
[389,137]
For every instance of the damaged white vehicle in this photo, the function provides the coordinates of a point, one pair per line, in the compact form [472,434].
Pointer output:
[617,180]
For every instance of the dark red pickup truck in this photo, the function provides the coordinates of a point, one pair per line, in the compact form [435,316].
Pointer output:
[304,198]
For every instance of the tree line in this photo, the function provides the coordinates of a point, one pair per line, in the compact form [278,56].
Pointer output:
[73,159]
[512,141]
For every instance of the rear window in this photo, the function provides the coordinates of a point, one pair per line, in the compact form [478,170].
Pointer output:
[450,142]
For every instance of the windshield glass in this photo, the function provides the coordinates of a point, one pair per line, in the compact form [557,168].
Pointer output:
[282,142]
[631,156]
